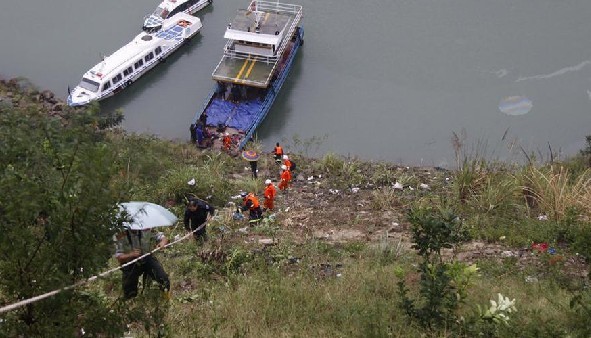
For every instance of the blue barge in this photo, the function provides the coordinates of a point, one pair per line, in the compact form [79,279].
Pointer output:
[263,40]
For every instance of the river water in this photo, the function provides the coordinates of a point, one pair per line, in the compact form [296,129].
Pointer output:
[381,79]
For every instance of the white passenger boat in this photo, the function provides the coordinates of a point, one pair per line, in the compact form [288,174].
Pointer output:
[131,61]
[168,8]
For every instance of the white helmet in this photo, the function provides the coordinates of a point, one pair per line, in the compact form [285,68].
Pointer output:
[285,157]
[226,134]
[267,182]
[284,167]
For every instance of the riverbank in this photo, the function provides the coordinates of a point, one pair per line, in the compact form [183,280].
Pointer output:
[328,261]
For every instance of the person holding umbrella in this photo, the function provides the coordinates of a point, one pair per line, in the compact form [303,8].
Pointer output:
[132,244]
[138,239]
[252,157]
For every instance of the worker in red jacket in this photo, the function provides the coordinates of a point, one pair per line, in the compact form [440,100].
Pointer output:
[270,193]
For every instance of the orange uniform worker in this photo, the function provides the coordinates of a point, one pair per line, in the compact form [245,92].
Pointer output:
[285,178]
[251,203]
[227,142]
[287,162]
[278,152]
[270,193]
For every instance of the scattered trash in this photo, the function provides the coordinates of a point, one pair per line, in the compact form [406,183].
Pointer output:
[339,274]
[541,247]
[333,191]
[508,254]
[191,182]
[243,230]
[502,238]
[397,186]
[286,209]
[238,216]
[542,218]
[424,186]
[177,237]
[551,251]
[354,190]
[319,176]
[310,178]
[531,279]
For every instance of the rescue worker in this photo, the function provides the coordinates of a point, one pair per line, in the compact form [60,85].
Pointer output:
[278,153]
[251,203]
[285,178]
[196,214]
[227,142]
[270,193]
[287,162]
[131,244]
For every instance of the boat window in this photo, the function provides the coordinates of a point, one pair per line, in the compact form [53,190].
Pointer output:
[149,57]
[128,71]
[161,12]
[107,85]
[89,85]
[139,64]
[117,78]
[158,50]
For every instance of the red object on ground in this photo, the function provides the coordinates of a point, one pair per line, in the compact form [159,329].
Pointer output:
[542,247]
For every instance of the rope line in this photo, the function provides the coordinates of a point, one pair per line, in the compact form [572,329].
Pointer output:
[35,299]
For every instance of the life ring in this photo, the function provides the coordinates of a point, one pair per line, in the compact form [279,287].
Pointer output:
[128,83]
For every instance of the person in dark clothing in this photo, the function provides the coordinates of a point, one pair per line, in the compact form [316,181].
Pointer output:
[253,168]
[193,130]
[203,120]
[196,214]
[131,244]
[199,132]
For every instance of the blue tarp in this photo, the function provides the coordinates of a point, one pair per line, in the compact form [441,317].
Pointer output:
[235,115]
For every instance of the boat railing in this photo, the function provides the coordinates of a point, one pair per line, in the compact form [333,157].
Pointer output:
[267,6]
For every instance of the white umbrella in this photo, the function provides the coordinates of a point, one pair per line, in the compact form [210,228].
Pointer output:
[146,215]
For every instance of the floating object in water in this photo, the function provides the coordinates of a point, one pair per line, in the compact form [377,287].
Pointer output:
[515,105]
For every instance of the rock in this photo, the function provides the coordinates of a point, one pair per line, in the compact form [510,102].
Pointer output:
[47,95]
[266,241]
[58,107]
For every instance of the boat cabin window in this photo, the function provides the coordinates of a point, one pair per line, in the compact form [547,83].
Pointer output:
[149,57]
[107,85]
[127,71]
[88,84]
[138,64]
[158,50]
[161,12]
[117,78]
